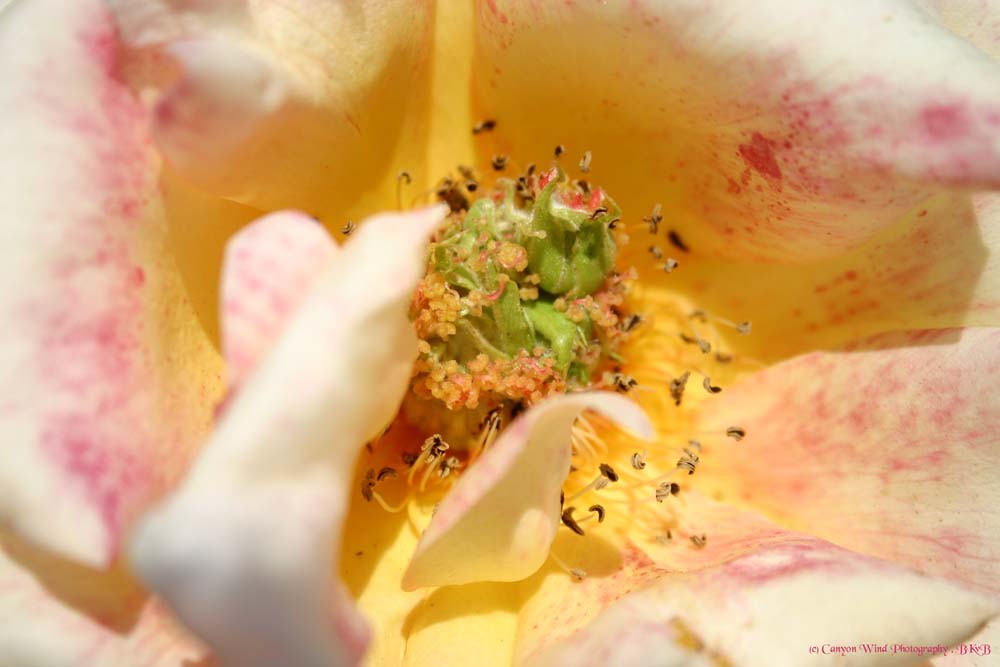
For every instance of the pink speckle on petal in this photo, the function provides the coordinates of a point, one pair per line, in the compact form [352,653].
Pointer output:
[759,156]
[782,562]
[944,122]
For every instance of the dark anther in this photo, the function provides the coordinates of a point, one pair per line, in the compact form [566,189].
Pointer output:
[624,383]
[449,193]
[570,522]
[653,219]
[675,238]
[386,472]
[677,387]
[630,323]
[702,344]
[484,126]
[608,472]
[599,511]
[367,484]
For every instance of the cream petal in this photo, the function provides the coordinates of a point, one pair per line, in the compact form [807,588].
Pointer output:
[499,520]
[110,379]
[754,590]
[268,269]
[764,132]
[245,549]
[978,651]
[889,449]
[55,612]
[154,22]
[977,22]
[626,635]
[296,104]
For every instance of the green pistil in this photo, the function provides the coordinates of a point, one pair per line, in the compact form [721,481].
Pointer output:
[509,246]
[577,251]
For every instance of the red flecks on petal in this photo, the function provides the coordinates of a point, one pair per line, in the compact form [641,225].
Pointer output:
[90,334]
[496,12]
[944,122]
[108,473]
[759,156]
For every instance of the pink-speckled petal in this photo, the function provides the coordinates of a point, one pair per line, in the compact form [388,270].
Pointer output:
[937,267]
[499,520]
[268,269]
[54,612]
[754,590]
[763,132]
[890,449]
[286,105]
[245,549]
[109,379]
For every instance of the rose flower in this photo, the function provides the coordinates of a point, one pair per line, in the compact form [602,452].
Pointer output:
[499,333]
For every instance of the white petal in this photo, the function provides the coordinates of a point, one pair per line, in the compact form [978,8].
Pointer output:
[773,593]
[110,380]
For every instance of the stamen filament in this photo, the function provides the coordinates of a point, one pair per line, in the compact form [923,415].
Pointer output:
[599,483]
[393,509]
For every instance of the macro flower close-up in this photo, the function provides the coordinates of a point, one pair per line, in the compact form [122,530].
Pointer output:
[644,333]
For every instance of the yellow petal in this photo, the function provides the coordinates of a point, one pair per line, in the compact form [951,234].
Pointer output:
[938,266]
[765,134]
